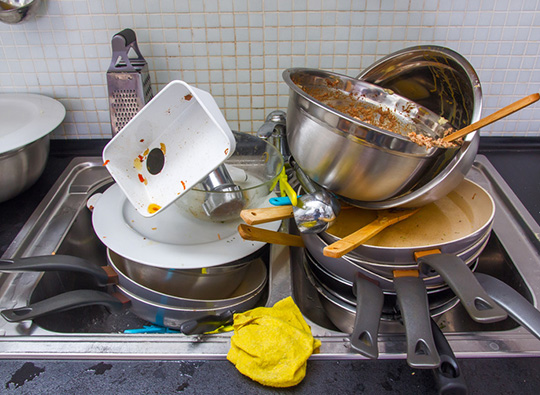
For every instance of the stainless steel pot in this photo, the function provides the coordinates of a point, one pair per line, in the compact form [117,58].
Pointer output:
[373,164]
[252,280]
[161,309]
[217,282]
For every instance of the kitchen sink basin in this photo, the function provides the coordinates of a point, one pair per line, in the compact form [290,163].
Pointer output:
[62,224]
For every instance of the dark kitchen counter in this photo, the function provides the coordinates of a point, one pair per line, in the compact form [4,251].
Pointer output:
[516,159]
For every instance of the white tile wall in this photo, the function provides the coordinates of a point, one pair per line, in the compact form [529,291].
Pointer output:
[237,50]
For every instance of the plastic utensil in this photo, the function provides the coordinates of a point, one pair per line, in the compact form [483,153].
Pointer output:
[281,201]
[168,147]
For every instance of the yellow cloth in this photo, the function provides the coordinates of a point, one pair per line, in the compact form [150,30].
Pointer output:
[271,345]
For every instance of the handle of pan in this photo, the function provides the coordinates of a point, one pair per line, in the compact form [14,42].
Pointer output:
[413,303]
[63,302]
[47,263]
[207,323]
[448,376]
[269,236]
[509,299]
[258,216]
[369,304]
[480,306]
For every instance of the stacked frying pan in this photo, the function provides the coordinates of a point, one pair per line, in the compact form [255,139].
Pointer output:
[409,271]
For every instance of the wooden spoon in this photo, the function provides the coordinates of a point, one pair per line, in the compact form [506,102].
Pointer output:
[248,232]
[256,216]
[503,112]
[384,219]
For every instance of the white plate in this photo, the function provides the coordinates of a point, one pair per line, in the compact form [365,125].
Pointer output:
[26,117]
[172,239]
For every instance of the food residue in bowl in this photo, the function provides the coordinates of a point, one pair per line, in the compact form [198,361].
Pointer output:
[429,142]
[355,106]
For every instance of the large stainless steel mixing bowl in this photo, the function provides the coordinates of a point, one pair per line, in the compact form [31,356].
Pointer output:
[352,158]
[446,83]
[21,167]
[26,121]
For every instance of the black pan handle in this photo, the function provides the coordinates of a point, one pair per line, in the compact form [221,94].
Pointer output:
[128,35]
[480,306]
[207,323]
[48,263]
[509,299]
[63,302]
[448,376]
[413,303]
[369,305]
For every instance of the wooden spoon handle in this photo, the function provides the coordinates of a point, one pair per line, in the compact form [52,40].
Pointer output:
[258,216]
[503,112]
[268,236]
[350,242]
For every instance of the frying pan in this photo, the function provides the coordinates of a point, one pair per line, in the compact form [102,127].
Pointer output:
[468,204]
[451,224]
[163,310]
[362,320]
[189,291]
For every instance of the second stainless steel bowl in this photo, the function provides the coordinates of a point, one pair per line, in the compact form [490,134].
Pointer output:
[352,158]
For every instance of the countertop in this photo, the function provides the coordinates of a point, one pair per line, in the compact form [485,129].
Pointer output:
[516,159]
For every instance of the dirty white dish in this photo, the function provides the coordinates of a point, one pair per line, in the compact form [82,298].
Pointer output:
[169,146]
[172,239]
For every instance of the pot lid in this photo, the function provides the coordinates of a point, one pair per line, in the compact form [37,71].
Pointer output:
[27,117]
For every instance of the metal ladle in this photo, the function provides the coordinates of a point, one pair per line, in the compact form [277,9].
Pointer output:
[316,210]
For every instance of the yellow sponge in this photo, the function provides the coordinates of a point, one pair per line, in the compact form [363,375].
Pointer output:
[271,345]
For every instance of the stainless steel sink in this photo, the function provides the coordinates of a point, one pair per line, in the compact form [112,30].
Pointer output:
[62,224]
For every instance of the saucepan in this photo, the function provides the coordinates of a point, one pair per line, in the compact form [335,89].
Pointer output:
[156,307]
[360,314]
[458,224]
[468,204]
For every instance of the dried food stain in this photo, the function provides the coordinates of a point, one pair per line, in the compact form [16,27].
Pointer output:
[100,368]
[27,372]
[153,208]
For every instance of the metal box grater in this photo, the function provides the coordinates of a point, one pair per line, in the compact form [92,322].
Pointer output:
[128,81]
